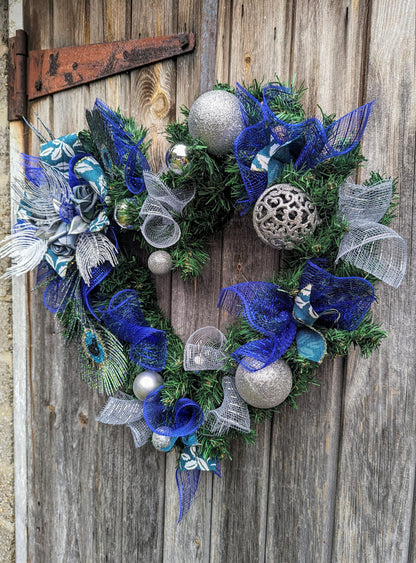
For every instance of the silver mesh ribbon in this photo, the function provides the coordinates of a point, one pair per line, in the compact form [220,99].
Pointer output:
[367,244]
[123,409]
[204,350]
[233,412]
[159,227]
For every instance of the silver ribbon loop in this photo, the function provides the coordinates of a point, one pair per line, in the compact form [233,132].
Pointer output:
[367,244]
[123,409]
[159,227]
[204,350]
[233,412]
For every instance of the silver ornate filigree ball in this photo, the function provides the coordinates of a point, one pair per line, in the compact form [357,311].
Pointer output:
[216,119]
[160,442]
[146,382]
[160,262]
[177,158]
[266,387]
[283,215]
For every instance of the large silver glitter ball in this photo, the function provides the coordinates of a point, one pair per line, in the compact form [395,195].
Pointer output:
[145,383]
[283,215]
[267,387]
[216,119]
[160,442]
[160,262]
[177,158]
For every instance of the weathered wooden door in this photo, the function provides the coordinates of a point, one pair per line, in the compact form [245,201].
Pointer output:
[331,481]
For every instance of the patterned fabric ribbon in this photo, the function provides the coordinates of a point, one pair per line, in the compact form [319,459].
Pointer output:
[369,245]
[159,227]
[188,472]
[269,310]
[125,319]
[270,140]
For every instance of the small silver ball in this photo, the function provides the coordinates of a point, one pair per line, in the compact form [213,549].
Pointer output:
[160,262]
[215,118]
[283,215]
[177,158]
[267,387]
[160,442]
[145,383]
[121,214]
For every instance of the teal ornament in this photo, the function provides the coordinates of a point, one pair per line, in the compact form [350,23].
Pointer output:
[177,158]
[215,118]
[93,346]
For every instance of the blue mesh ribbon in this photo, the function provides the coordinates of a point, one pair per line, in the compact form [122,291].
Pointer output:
[187,482]
[125,319]
[182,419]
[268,310]
[344,300]
[313,142]
[334,301]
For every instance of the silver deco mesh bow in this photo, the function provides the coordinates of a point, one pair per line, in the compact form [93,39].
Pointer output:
[122,409]
[204,350]
[159,227]
[367,244]
[233,412]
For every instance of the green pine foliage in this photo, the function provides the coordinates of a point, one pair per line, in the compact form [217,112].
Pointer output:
[218,188]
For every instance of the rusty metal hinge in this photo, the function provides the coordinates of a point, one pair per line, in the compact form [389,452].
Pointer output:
[35,74]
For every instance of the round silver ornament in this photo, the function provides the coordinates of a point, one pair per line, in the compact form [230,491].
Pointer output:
[160,442]
[160,262]
[283,215]
[121,216]
[267,387]
[146,382]
[177,158]
[216,119]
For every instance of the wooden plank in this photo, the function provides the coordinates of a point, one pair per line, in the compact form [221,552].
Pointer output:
[193,304]
[21,375]
[376,475]
[240,498]
[328,41]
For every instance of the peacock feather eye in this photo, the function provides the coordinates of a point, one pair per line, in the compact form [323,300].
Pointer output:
[93,346]
[106,158]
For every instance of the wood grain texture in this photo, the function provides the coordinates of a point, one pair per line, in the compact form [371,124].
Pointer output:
[375,496]
[331,481]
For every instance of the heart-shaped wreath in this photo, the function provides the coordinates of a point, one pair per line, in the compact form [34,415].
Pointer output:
[91,195]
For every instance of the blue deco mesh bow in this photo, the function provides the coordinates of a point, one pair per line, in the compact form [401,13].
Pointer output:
[181,420]
[268,138]
[124,318]
[334,301]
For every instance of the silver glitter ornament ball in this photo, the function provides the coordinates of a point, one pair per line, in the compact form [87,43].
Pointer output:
[283,215]
[145,383]
[160,442]
[177,158]
[216,119]
[160,262]
[267,387]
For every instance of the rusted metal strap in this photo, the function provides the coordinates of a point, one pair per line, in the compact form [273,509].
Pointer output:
[53,70]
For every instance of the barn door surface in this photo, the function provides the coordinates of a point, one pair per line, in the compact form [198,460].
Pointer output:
[331,481]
